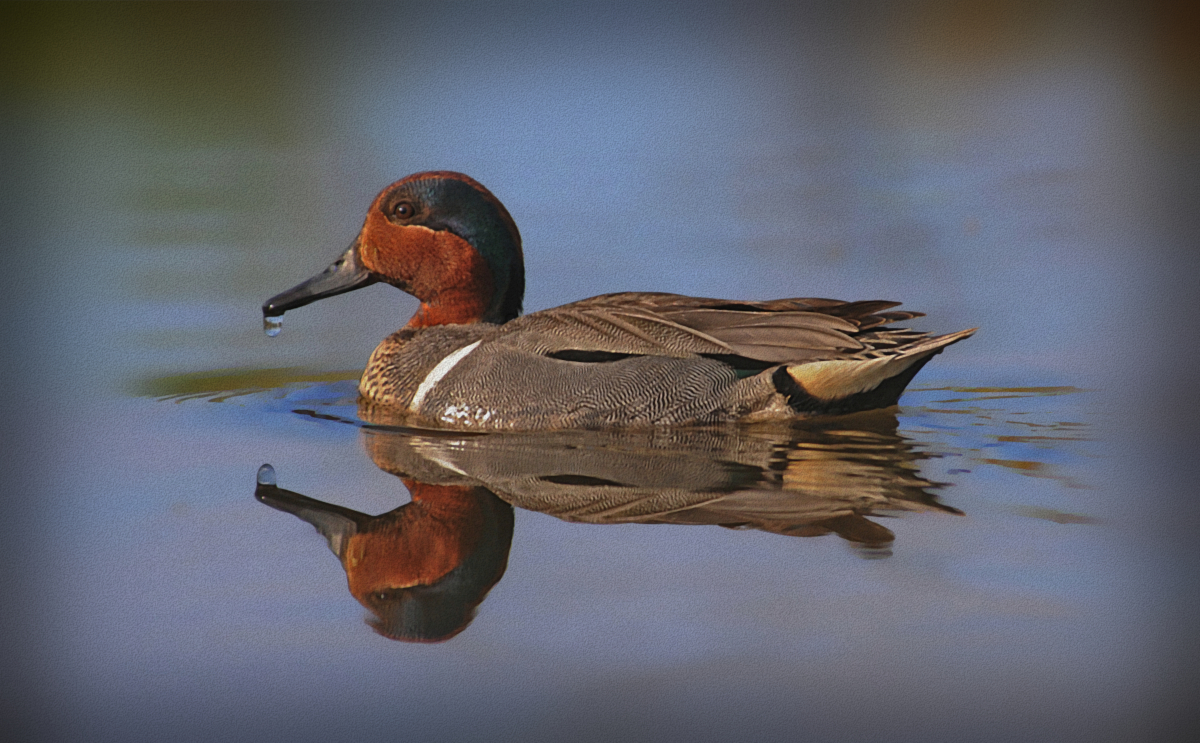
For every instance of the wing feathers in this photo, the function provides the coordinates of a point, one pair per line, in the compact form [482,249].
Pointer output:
[776,331]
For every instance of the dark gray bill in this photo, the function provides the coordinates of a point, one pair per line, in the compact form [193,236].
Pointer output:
[343,275]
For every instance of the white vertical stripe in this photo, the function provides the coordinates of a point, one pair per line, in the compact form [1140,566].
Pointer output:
[435,375]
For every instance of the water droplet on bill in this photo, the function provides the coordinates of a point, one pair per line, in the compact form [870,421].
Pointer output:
[266,475]
[272,325]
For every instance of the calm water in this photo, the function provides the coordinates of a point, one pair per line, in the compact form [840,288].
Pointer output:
[1002,557]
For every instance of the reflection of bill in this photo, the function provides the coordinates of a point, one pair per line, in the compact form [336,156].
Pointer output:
[424,567]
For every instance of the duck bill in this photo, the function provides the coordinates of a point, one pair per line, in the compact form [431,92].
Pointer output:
[335,523]
[343,275]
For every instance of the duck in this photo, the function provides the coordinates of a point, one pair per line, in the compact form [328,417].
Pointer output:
[469,358]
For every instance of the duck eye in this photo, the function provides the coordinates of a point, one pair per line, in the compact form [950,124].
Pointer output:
[403,210]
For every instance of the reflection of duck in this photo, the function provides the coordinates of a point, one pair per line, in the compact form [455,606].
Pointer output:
[466,359]
[422,568]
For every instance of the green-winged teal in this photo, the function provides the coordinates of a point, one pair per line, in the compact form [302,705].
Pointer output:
[469,359]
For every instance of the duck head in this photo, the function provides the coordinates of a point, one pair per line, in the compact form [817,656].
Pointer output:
[440,236]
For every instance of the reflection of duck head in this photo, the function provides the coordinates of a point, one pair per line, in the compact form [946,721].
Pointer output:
[422,568]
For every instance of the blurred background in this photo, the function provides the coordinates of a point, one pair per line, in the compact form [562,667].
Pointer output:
[1027,167]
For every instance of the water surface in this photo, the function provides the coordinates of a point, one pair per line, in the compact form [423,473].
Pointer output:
[999,557]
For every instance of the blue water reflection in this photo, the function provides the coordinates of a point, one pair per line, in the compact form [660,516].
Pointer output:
[989,164]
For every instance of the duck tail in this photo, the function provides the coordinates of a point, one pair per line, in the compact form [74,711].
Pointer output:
[847,385]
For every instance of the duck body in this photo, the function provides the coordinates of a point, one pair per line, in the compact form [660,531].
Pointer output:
[469,359]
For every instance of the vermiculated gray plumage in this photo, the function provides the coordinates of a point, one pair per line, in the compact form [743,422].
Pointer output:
[636,359]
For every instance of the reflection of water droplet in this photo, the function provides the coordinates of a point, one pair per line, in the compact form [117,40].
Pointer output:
[272,325]
[873,551]
[266,475]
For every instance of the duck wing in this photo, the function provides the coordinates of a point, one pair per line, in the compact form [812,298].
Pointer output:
[634,323]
